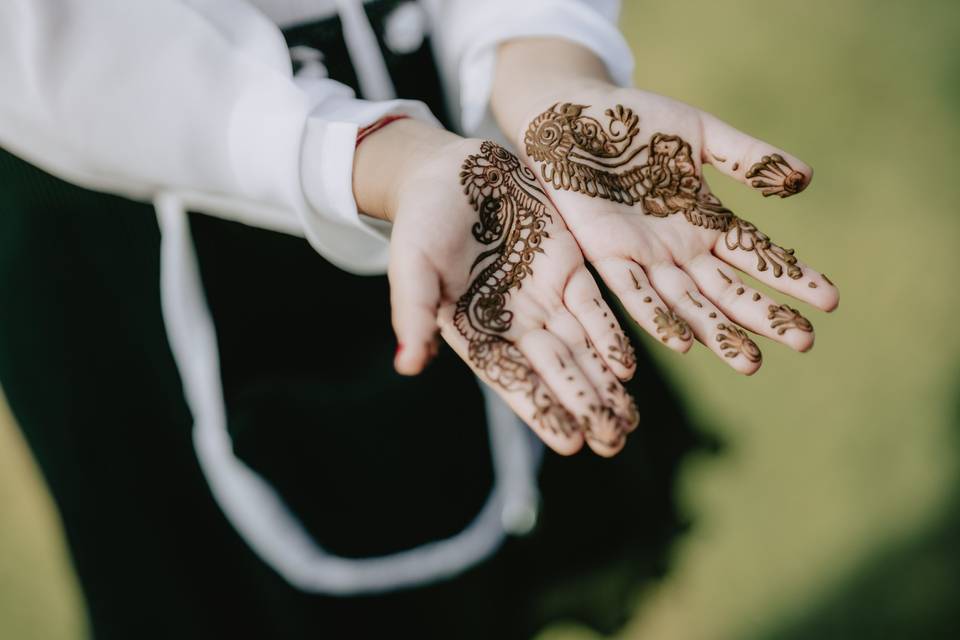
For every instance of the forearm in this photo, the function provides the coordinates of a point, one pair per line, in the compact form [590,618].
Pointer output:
[532,71]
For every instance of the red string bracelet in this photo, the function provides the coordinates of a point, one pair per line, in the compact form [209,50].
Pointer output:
[363,132]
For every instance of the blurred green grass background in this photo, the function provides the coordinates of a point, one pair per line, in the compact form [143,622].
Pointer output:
[832,511]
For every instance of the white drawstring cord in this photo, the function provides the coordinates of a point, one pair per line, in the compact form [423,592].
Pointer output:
[253,506]
[248,501]
[364,50]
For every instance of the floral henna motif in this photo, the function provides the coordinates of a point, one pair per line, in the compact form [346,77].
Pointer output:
[671,325]
[603,419]
[622,351]
[775,177]
[734,341]
[512,223]
[576,152]
[605,415]
[785,318]
[743,235]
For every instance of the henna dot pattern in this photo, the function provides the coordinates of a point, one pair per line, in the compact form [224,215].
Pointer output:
[577,152]
[512,221]
[785,318]
[775,177]
[670,325]
[734,341]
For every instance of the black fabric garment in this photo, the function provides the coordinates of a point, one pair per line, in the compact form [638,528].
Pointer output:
[370,461]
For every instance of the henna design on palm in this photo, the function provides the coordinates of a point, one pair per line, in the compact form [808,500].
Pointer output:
[512,220]
[577,152]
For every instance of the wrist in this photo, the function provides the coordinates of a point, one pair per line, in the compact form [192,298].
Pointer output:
[382,163]
[532,74]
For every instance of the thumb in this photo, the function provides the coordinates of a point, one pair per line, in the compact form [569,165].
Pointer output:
[414,298]
[771,171]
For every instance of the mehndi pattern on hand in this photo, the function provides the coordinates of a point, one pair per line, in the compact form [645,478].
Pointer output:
[775,177]
[785,318]
[622,351]
[512,223]
[671,325]
[734,341]
[577,152]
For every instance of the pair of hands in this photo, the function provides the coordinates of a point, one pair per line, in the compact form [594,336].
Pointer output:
[491,248]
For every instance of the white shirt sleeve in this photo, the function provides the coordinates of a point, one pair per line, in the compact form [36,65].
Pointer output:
[194,98]
[468,32]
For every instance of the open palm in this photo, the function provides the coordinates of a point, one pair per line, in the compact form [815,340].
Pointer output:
[624,169]
[478,248]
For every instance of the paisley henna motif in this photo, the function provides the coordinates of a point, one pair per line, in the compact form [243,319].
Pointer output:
[576,152]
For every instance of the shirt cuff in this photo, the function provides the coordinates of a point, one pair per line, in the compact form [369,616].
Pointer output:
[572,20]
[331,221]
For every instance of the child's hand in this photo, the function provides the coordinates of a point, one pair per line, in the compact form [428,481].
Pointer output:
[478,248]
[624,169]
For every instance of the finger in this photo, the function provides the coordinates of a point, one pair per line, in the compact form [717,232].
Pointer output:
[610,420]
[584,300]
[501,365]
[414,297]
[629,283]
[556,365]
[748,307]
[771,171]
[710,325]
[750,250]
[606,437]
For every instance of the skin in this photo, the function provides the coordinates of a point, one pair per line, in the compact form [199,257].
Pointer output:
[562,331]
[678,266]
